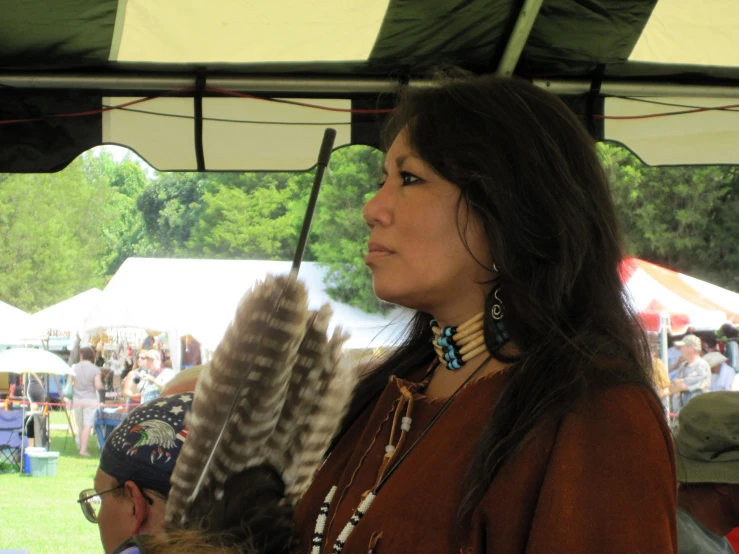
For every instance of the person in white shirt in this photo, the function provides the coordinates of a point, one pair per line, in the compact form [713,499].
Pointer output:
[693,377]
[722,374]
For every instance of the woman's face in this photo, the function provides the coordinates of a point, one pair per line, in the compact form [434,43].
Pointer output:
[416,254]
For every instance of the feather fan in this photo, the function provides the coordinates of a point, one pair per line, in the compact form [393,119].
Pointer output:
[296,389]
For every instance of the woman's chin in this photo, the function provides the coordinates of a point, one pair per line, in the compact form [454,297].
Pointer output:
[392,295]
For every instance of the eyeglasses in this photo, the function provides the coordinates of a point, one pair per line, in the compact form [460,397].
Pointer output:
[90,502]
[142,357]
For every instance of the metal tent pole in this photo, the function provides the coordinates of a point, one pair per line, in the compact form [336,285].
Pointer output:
[520,34]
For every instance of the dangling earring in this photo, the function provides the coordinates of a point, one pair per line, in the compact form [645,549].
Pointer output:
[497,311]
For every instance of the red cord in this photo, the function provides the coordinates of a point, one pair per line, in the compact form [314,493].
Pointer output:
[378,111]
[296,103]
[665,114]
[217,90]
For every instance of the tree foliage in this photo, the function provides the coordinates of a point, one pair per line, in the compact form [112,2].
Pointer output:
[50,236]
[683,218]
[63,233]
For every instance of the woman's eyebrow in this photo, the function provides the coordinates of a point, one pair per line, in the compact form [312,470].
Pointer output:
[398,163]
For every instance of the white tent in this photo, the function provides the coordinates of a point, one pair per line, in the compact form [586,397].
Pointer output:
[199,297]
[68,315]
[16,326]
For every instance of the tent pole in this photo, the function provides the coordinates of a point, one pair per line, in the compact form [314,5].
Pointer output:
[520,34]
[243,83]
[664,329]
[636,88]
[108,84]
[66,411]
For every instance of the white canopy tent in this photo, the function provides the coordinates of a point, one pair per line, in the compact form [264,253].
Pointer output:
[68,315]
[199,298]
[16,326]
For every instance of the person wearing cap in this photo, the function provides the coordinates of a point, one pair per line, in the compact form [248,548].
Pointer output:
[151,383]
[722,374]
[707,456]
[132,481]
[693,377]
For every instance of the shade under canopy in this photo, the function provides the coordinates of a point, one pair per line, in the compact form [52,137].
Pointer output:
[194,63]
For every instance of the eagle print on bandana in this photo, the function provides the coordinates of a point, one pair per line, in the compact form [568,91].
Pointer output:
[154,430]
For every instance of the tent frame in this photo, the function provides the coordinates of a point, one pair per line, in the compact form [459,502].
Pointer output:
[112,84]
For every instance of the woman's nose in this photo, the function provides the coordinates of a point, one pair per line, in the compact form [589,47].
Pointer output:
[377,210]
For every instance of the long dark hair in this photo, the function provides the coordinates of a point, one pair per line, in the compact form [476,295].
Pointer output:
[529,171]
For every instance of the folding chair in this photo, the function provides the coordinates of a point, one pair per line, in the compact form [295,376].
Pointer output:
[11,432]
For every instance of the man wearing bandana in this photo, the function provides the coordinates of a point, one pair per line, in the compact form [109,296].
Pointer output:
[132,481]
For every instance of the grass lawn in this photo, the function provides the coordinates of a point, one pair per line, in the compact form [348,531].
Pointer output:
[40,514]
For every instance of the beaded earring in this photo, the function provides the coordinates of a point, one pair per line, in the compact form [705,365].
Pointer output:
[497,312]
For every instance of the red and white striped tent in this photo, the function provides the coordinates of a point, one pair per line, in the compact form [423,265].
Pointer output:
[654,290]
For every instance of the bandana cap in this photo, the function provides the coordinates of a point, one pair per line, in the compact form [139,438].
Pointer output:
[145,446]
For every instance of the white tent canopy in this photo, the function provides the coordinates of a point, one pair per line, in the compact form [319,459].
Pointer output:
[68,315]
[199,297]
[16,326]
[32,360]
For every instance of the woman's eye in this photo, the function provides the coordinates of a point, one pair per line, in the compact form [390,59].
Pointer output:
[408,178]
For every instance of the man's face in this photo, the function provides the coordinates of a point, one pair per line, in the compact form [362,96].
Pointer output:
[688,351]
[116,519]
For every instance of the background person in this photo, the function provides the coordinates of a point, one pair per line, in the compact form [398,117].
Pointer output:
[152,383]
[722,374]
[707,452]
[132,481]
[129,384]
[693,377]
[86,399]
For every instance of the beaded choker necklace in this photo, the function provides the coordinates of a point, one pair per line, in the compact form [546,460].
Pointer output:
[455,346]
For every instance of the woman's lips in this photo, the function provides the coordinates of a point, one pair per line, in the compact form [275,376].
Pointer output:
[376,251]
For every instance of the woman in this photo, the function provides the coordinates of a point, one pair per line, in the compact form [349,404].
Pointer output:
[129,384]
[494,219]
[86,399]
[153,382]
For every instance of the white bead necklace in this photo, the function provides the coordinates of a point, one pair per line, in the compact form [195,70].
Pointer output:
[319,533]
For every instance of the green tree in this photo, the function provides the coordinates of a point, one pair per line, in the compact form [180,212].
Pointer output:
[171,206]
[125,230]
[259,216]
[341,234]
[247,222]
[683,218]
[50,236]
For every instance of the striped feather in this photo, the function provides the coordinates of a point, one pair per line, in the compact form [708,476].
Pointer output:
[260,347]
[323,408]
